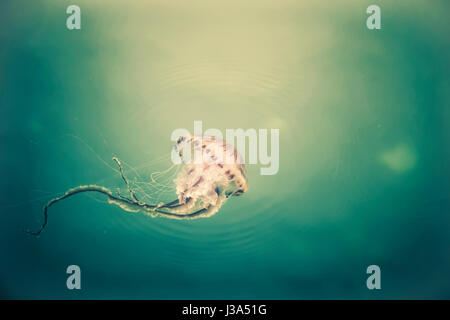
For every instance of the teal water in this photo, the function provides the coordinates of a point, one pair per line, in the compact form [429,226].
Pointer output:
[364,148]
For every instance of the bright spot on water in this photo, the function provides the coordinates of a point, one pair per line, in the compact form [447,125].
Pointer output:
[399,159]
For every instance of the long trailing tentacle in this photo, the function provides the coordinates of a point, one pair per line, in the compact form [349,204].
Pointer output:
[74,191]
[134,202]
[181,216]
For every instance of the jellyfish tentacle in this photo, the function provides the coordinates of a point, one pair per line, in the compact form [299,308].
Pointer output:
[200,199]
[180,215]
[172,204]
[122,196]
[119,200]
[77,190]
[130,190]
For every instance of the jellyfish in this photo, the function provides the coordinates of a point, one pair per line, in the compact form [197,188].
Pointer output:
[202,186]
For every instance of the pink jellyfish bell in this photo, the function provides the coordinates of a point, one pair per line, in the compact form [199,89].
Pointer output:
[215,174]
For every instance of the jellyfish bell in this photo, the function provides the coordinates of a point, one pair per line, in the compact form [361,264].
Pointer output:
[202,186]
[215,174]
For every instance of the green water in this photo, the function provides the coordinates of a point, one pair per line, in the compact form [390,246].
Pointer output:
[364,147]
